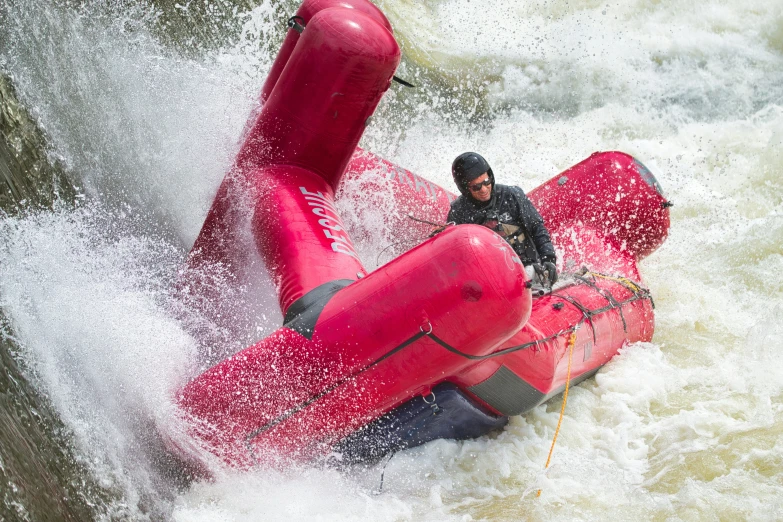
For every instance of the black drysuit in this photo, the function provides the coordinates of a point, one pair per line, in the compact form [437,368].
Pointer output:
[508,205]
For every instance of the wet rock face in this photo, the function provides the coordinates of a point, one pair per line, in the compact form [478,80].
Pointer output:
[39,477]
[210,24]
[27,176]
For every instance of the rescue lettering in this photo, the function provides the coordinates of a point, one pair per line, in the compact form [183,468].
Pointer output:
[330,222]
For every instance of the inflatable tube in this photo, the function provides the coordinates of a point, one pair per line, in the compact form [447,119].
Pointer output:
[355,353]
[313,120]
[304,14]
[612,194]
[445,340]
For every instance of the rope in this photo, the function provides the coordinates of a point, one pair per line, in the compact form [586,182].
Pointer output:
[393,244]
[587,315]
[630,285]
[383,473]
[426,222]
[571,343]
[439,227]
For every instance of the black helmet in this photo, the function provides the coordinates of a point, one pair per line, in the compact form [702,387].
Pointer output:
[467,167]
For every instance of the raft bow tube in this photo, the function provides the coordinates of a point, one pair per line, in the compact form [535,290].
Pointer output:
[446,340]
[363,349]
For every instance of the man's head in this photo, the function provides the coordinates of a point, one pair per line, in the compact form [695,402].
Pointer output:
[473,176]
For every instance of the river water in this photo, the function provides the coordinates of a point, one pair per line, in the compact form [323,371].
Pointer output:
[688,427]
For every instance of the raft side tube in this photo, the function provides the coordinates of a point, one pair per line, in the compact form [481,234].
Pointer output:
[299,233]
[376,343]
[612,193]
[541,367]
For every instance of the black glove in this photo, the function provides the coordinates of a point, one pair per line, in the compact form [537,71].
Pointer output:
[550,273]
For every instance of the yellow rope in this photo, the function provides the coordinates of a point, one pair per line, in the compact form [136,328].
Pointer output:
[633,287]
[571,343]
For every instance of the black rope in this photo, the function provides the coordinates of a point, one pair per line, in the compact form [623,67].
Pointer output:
[419,220]
[608,296]
[274,422]
[403,82]
[586,313]
[383,473]
[504,351]
[393,244]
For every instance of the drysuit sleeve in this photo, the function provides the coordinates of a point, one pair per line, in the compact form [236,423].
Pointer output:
[456,214]
[534,224]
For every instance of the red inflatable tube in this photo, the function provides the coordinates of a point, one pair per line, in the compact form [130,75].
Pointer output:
[455,309]
[535,360]
[317,111]
[299,233]
[304,14]
[612,193]
[364,351]
[313,120]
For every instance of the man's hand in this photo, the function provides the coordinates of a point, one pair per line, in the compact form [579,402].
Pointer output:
[551,273]
[546,273]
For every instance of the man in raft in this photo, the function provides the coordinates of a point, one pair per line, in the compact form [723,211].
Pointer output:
[507,211]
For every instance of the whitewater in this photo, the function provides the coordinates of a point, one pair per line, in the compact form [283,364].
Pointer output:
[688,427]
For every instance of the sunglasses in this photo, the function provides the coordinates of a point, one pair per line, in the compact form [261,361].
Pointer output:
[477,186]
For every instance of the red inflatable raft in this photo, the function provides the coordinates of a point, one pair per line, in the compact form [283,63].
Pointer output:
[445,340]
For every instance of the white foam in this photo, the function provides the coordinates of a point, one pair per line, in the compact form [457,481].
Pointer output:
[685,427]
[88,305]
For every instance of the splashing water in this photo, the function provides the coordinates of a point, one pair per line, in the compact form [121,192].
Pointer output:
[687,427]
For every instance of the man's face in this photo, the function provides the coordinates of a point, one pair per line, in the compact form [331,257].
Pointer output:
[481,188]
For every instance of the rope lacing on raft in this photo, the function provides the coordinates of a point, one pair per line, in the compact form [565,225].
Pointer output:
[636,289]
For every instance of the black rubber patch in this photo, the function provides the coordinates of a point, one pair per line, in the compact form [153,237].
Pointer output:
[508,393]
[305,311]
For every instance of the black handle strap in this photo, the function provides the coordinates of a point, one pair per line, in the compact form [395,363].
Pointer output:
[297,23]
[402,82]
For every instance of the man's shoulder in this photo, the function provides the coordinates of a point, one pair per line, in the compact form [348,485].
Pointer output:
[459,203]
[462,211]
[508,192]
[509,189]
